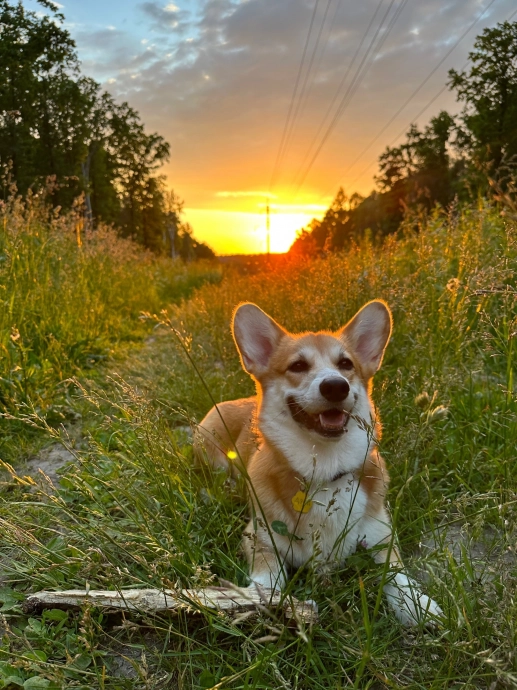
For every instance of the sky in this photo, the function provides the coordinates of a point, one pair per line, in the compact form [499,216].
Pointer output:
[279,101]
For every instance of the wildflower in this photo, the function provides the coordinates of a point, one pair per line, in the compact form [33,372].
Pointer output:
[301,503]
[423,400]
[439,413]
[453,285]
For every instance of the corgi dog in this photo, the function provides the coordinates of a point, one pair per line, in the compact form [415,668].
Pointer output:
[307,445]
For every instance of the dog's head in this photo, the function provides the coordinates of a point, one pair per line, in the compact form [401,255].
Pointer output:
[317,378]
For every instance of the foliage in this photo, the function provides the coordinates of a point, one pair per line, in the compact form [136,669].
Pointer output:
[69,295]
[421,165]
[37,130]
[131,510]
[56,122]
[488,89]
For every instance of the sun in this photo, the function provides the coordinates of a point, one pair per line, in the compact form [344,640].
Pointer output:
[284,227]
[234,232]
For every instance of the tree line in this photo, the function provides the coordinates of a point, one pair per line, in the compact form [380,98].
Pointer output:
[454,157]
[57,124]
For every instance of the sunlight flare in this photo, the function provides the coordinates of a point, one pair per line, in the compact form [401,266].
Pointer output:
[238,232]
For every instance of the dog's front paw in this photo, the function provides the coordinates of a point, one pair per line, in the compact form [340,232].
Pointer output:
[409,604]
[266,580]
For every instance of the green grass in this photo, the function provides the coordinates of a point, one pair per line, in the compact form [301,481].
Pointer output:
[70,296]
[131,511]
[69,299]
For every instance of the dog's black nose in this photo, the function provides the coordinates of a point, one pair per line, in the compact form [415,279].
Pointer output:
[334,390]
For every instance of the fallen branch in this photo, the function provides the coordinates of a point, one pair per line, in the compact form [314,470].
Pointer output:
[231,599]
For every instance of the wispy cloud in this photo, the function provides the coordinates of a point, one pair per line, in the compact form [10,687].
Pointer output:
[225,130]
[164,19]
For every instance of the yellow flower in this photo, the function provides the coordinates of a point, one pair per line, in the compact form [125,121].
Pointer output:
[453,285]
[301,503]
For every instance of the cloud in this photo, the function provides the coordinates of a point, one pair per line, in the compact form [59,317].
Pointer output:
[218,84]
[165,18]
[109,54]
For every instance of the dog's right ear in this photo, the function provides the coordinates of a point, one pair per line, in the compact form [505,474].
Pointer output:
[368,333]
[256,335]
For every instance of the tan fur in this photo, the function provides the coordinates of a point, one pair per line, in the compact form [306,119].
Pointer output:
[229,426]
[285,454]
[374,479]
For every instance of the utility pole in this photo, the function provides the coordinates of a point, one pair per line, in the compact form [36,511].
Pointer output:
[268,227]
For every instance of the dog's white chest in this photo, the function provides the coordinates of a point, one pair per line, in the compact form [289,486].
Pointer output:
[332,527]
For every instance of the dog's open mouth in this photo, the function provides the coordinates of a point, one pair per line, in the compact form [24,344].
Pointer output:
[330,423]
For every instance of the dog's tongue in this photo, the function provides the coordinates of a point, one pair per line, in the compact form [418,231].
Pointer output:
[332,419]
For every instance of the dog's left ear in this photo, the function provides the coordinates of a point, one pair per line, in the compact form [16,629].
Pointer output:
[367,335]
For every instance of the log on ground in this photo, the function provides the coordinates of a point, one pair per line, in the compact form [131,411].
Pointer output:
[145,601]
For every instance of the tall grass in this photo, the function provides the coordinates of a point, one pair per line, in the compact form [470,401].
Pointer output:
[132,511]
[68,296]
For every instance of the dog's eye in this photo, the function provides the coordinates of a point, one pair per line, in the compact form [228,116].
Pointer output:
[345,363]
[298,367]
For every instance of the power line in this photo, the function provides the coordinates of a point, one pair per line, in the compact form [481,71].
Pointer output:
[419,114]
[347,98]
[307,74]
[367,60]
[344,98]
[341,84]
[404,130]
[415,117]
[331,24]
[392,23]
[417,90]
[293,96]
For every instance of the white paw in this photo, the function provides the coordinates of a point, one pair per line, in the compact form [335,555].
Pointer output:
[409,604]
[310,604]
[266,580]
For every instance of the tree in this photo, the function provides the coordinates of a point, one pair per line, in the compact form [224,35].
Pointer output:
[418,171]
[173,210]
[37,57]
[97,173]
[305,243]
[449,158]
[178,239]
[135,156]
[489,91]
[55,122]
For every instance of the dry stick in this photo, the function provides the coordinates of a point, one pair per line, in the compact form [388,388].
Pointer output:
[230,599]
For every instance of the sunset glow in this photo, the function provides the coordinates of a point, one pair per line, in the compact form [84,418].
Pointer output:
[218,79]
[240,232]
